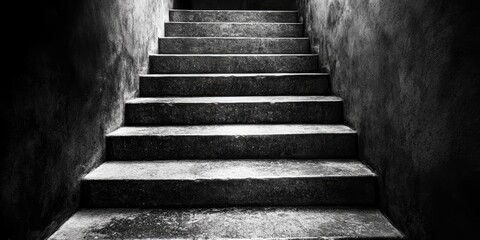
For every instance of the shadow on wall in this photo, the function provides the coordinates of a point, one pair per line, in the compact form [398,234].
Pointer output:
[71,66]
[408,71]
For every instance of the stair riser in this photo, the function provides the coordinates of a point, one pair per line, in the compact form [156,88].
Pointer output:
[242,5]
[233,30]
[229,192]
[226,113]
[233,45]
[229,16]
[234,86]
[308,146]
[233,64]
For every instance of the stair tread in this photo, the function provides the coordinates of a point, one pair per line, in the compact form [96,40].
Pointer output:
[236,55]
[241,38]
[233,130]
[239,223]
[236,99]
[236,23]
[233,29]
[233,16]
[228,169]
[232,45]
[240,11]
[194,75]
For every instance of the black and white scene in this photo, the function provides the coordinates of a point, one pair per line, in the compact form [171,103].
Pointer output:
[240,119]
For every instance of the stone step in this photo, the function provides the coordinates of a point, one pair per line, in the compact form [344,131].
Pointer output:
[206,183]
[235,45]
[177,15]
[233,63]
[266,84]
[228,110]
[230,223]
[238,4]
[299,141]
[202,29]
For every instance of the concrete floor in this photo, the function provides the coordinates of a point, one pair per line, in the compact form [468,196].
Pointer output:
[240,223]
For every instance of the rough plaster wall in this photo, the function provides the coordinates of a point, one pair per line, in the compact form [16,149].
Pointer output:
[408,71]
[72,64]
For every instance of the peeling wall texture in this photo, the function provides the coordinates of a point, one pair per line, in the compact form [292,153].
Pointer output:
[408,71]
[71,65]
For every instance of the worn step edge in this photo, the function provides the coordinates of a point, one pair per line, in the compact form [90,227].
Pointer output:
[188,183]
[234,130]
[235,141]
[235,99]
[218,169]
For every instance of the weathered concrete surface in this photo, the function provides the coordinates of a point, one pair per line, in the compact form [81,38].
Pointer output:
[232,142]
[266,84]
[226,110]
[192,170]
[233,45]
[206,183]
[71,65]
[233,16]
[236,4]
[408,72]
[177,29]
[229,223]
[233,63]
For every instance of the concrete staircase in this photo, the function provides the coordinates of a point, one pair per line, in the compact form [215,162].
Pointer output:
[232,136]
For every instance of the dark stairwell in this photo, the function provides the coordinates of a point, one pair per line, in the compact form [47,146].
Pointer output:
[235,128]
[233,135]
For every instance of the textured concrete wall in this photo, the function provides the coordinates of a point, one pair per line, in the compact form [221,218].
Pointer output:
[408,71]
[71,65]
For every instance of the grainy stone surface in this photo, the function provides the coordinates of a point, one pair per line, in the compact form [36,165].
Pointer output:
[235,130]
[232,141]
[202,183]
[192,170]
[233,63]
[236,4]
[236,45]
[233,16]
[266,84]
[225,110]
[229,223]
[176,29]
